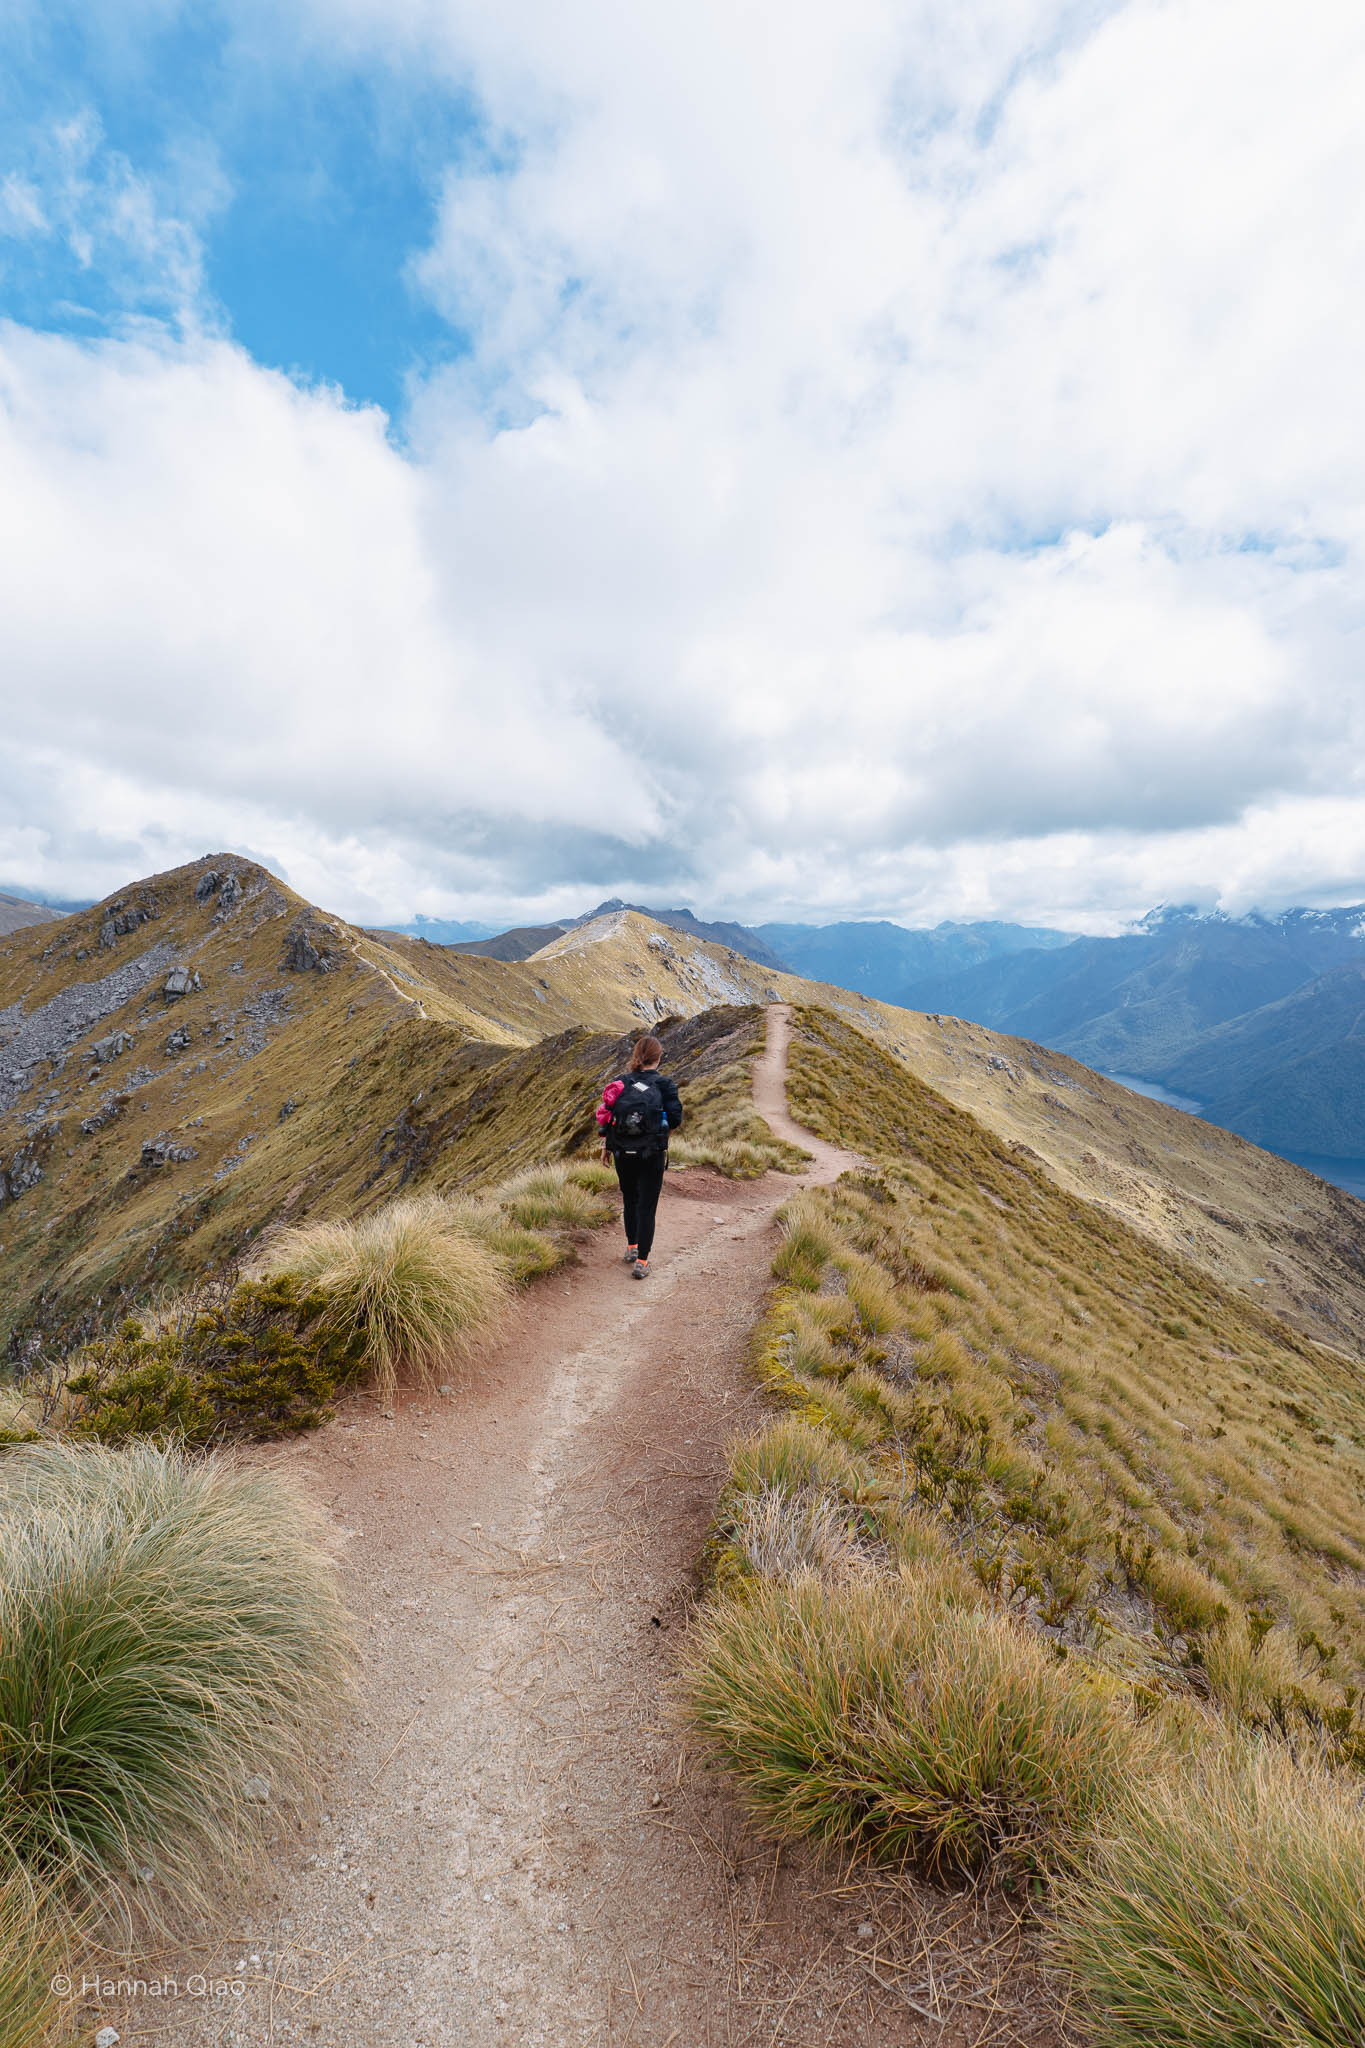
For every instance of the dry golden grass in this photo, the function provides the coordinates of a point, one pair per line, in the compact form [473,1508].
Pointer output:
[410,1282]
[1223,1906]
[724,1130]
[883,1715]
[170,1629]
[1052,1564]
[1137,1459]
[35,1935]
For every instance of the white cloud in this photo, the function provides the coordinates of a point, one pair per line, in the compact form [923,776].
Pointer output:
[909,462]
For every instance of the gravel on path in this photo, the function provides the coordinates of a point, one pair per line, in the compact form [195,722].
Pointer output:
[518,1846]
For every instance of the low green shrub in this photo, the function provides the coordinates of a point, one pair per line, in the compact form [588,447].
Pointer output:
[172,1645]
[409,1285]
[1224,1908]
[260,1359]
[888,1717]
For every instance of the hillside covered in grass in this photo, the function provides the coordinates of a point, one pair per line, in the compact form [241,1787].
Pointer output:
[1050,1566]
[206,1055]
[1145,1461]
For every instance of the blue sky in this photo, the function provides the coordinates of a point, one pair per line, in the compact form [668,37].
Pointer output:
[886,461]
[306,187]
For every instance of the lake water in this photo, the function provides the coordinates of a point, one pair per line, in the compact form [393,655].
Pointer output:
[1341,1173]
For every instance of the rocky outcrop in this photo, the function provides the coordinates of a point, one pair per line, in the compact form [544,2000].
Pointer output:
[99,1119]
[121,919]
[181,981]
[52,1030]
[25,1169]
[110,1048]
[163,1151]
[308,947]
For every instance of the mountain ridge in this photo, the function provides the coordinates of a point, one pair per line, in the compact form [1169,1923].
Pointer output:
[206,1054]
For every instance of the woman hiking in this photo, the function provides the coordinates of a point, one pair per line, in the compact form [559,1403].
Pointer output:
[635,1115]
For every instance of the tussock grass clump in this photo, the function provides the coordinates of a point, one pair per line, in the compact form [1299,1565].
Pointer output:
[32,1949]
[881,1716]
[409,1284]
[1223,1909]
[169,1632]
[547,1197]
[782,1535]
[526,1254]
[807,1246]
[793,1456]
[590,1173]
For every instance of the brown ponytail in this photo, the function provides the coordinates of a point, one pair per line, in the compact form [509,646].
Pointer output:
[647,1052]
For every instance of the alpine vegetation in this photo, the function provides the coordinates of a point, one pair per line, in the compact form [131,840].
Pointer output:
[410,1285]
[1223,1906]
[898,1717]
[172,1643]
[34,1933]
[1049,1568]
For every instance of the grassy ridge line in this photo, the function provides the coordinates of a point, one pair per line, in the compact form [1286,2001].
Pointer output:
[975,1598]
[1143,1458]
[407,1107]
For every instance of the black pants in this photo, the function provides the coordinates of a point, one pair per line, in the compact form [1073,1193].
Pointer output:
[641,1179]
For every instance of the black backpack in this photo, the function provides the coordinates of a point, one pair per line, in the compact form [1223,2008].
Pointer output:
[637,1125]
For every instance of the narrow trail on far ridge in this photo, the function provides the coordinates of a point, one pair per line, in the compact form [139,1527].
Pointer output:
[517,1846]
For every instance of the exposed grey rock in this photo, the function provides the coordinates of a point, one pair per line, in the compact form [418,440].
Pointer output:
[25,1169]
[120,920]
[178,1041]
[99,1119]
[229,895]
[206,885]
[57,1026]
[287,1108]
[307,947]
[164,1151]
[109,1048]
[181,981]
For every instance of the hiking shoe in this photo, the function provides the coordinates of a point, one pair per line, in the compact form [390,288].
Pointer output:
[641,1270]
[632,1254]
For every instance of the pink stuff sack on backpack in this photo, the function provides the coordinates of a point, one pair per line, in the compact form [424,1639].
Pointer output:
[604,1107]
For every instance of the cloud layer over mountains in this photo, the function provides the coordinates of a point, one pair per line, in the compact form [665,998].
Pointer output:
[890,460]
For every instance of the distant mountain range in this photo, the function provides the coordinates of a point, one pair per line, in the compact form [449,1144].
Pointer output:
[444,931]
[1260,1020]
[522,940]
[896,964]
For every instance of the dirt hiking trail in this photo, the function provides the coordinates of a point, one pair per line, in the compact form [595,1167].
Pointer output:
[517,1845]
